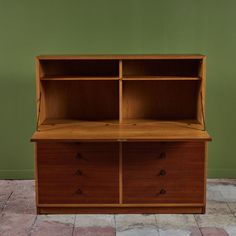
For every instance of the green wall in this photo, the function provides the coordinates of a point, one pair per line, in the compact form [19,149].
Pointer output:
[29,28]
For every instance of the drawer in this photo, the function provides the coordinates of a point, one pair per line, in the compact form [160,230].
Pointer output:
[77,173]
[168,172]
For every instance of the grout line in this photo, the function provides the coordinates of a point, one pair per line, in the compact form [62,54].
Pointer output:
[198,224]
[115,222]
[6,202]
[231,211]
[157,227]
[32,226]
[73,230]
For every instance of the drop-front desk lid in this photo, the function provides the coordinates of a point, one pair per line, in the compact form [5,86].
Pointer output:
[129,130]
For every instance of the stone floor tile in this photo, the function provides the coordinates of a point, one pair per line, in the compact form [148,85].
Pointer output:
[94,231]
[94,225]
[45,228]
[219,221]
[94,220]
[7,185]
[145,231]
[231,230]
[177,224]
[214,207]
[176,232]
[174,221]
[21,204]
[24,188]
[222,181]
[232,206]
[130,221]
[3,199]
[214,194]
[221,192]
[12,224]
[213,231]
[62,219]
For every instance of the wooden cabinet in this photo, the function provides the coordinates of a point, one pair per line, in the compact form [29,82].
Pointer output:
[121,134]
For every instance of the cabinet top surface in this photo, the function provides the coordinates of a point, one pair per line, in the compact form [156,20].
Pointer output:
[144,56]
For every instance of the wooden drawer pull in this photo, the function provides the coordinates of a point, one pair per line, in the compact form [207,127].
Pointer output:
[80,157]
[161,192]
[162,155]
[79,191]
[162,172]
[79,172]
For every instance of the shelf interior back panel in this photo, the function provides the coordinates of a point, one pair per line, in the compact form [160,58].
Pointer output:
[82,100]
[162,67]
[155,100]
[79,68]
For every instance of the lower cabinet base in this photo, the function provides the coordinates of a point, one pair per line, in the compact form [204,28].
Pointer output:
[122,210]
[113,178]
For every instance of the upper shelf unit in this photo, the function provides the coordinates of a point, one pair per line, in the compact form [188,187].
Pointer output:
[162,69]
[79,69]
[121,68]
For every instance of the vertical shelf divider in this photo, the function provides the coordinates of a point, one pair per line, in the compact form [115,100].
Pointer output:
[201,94]
[120,173]
[120,143]
[120,91]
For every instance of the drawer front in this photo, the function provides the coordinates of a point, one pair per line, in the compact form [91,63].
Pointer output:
[168,172]
[77,173]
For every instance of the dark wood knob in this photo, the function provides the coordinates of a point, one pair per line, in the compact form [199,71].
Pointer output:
[78,172]
[162,155]
[79,191]
[78,156]
[162,191]
[162,172]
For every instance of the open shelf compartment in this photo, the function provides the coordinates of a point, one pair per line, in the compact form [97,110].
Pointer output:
[161,100]
[162,69]
[79,69]
[79,100]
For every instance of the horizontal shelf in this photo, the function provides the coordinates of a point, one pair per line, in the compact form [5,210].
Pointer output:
[120,57]
[160,78]
[78,78]
[117,78]
[111,130]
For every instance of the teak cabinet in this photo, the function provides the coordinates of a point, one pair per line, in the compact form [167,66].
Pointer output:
[121,134]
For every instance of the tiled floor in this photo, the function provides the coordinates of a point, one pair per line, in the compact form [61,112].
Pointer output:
[18,216]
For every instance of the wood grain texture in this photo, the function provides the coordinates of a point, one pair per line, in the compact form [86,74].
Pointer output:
[161,78]
[66,77]
[160,99]
[83,100]
[78,173]
[112,57]
[129,130]
[120,173]
[163,172]
[119,210]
